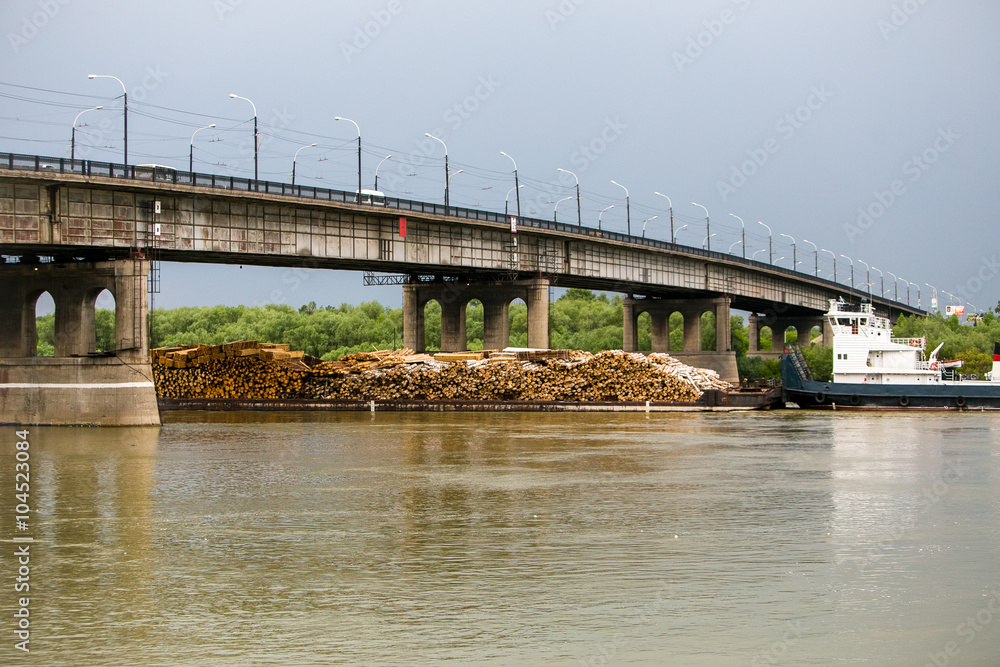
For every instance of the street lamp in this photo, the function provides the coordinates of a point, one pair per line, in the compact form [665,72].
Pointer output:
[679,230]
[708,241]
[868,277]
[72,141]
[795,256]
[191,152]
[933,297]
[671,214]
[708,229]
[376,170]
[255,135]
[852,269]
[744,228]
[744,249]
[555,209]
[452,175]
[816,252]
[507,198]
[881,282]
[516,186]
[895,282]
[124,100]
[628,214]
[834,262]
[359,151]
[644,224]
[296,157]
[908,283]
[447,177]
[606,208]
[950,297]
[770,244]
[579,214]
[754,257]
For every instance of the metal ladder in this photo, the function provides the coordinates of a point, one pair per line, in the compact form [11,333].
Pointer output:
[799,361]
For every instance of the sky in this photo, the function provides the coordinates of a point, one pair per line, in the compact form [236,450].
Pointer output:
[866,127]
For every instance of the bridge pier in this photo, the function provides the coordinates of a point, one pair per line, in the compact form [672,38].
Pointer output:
[74,387]
[779,325]
[454,296]
[722,359]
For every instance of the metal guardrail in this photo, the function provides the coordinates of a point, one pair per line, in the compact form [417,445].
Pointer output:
[161,174]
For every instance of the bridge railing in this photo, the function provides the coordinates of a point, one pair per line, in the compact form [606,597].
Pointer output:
[162,174]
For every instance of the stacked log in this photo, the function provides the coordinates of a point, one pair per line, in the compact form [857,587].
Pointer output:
[248,369]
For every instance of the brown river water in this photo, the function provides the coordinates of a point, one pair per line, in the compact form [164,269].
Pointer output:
[781,538]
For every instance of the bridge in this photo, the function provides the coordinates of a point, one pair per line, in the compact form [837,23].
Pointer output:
[75,227]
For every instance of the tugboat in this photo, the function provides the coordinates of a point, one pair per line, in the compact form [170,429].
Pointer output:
[873,370]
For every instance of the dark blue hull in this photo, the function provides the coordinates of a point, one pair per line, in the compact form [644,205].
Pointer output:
[808,393]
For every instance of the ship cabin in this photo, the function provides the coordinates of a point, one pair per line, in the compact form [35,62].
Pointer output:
[864,351]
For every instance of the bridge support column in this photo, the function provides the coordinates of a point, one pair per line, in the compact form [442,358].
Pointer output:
[454,296]
[722,359]
[73,388]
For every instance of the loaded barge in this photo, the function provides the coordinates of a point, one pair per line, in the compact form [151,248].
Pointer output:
[874,371]
[712,400]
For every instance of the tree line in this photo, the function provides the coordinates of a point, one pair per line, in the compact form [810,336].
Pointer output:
[579,319]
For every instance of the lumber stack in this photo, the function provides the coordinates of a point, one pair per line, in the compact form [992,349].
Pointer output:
[248,369]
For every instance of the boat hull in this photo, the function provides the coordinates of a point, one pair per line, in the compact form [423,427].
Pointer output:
[842,395]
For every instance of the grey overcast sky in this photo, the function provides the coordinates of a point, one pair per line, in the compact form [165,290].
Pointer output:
[868,127]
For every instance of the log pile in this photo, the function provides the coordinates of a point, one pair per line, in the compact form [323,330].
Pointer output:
[248,369]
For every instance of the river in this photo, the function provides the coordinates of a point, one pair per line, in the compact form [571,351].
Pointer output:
[769,538]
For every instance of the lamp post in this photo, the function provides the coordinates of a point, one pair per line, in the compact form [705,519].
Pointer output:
[191,152]
[452,175]
[933,297]
[950,298]
[628,214]
[296,157]
[918,296]
[644,224]
[834,262]
[606,208]
[555,209]
[868,277]
[671,214]
[72,141]
[358,128]
[852,269]
[579,214]
[708,241]
[795,256]
[744,241]
[447,177]
[708,229]
[895,282]
[881,282]
[125,102]
[255,135]
[754,257]
[907,290]
[816,252]
[679,230]
[507,198]
[376,170]
[517,187]
[770,244]
[731,249]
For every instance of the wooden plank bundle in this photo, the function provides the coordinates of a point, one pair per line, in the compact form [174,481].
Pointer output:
[248,369]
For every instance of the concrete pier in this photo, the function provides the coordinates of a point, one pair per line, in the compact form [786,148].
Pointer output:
[454,296]
[722,359]
[75,387]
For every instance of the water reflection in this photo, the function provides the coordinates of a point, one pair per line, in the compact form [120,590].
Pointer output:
[315,538]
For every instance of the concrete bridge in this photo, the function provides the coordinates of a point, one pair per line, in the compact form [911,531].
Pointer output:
[78,227]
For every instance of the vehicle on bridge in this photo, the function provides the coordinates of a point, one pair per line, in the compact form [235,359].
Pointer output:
[873,370]
[155,172]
